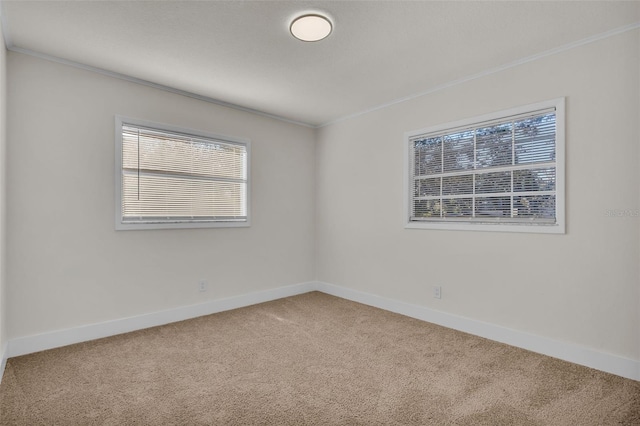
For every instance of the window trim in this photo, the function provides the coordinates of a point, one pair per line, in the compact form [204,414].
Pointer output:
[557,228]
[120,226]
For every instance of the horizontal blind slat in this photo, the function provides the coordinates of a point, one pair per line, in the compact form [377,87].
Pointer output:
[176,177]
[502,169]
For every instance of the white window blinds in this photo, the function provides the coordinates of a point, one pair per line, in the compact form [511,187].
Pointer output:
[174,177]
[498,171]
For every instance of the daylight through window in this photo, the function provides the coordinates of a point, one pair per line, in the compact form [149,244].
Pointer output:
[173,178]
[503,171]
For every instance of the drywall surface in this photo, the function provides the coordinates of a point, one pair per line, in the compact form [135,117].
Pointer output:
[580,287]
[3,191]
[68,265]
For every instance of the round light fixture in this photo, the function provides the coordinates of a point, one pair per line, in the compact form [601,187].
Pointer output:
[311,27]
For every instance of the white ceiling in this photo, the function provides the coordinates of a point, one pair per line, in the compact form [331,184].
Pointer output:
[241,52]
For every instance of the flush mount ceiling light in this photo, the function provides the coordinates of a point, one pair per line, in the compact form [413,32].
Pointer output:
[311,27]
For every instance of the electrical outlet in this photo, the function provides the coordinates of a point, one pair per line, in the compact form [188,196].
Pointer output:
[202,286]
[437,292]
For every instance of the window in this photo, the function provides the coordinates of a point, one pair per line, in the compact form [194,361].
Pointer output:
[167,177]
[502,172]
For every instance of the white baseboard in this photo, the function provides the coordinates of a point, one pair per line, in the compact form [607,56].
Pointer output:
[566,351]
[3,359]
[40,342]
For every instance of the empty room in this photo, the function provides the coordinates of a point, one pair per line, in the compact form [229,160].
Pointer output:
[322,213]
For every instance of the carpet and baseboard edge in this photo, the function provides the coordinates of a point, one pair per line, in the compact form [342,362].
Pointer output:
[3,359]
[609,363]
[571,352]
[58,338]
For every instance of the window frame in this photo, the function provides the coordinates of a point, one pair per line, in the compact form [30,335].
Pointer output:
[503,226]
[120,225]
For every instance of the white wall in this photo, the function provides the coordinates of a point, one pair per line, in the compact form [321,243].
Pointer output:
[68,266]
[581,288]
[3,192]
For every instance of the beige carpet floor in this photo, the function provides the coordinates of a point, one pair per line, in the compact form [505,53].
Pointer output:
[311,359]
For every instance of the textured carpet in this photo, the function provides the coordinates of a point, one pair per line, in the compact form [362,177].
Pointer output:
[308,359]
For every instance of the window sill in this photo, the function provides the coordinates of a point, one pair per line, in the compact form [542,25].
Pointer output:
[453,226]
